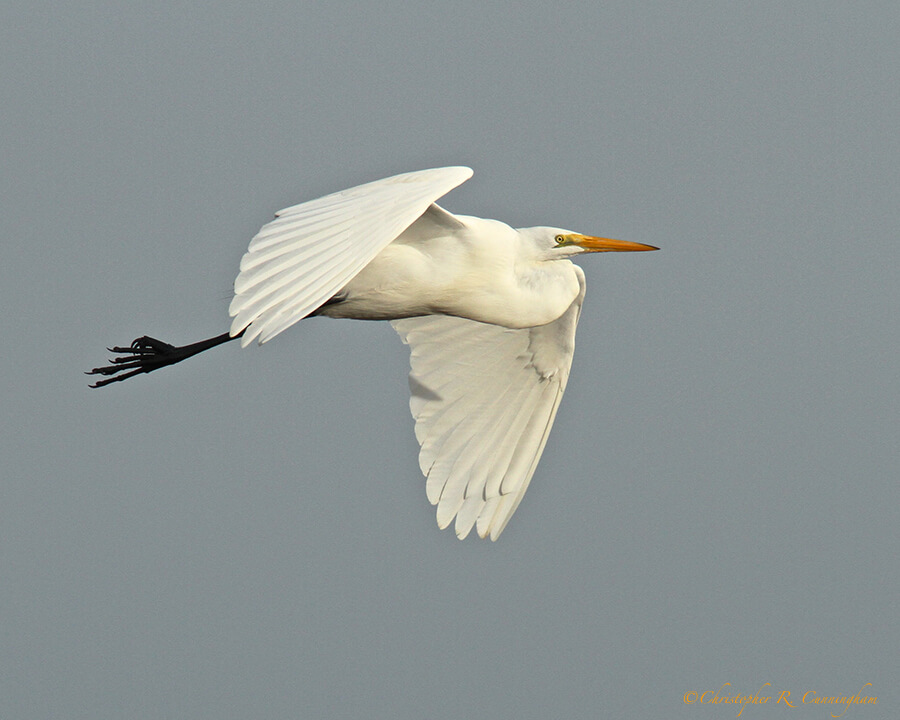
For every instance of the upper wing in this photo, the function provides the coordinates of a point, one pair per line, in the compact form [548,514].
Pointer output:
[310,251]
[484,398]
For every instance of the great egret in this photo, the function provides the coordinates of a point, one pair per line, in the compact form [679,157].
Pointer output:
[489,313]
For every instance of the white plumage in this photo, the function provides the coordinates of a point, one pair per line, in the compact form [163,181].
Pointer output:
[489,313]
[311,251]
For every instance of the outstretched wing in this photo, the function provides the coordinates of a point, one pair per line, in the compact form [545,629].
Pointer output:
[484,399]
[310,251]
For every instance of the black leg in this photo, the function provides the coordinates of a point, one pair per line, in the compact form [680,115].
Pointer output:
[147,354]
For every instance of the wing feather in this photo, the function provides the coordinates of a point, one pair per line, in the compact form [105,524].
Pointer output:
[309,251]
[484,399]
[451,472]
[467,515]
[465,479]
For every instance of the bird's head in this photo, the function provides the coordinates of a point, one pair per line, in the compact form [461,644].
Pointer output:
[556,243]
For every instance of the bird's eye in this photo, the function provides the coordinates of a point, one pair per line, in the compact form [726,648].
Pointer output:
[560,239]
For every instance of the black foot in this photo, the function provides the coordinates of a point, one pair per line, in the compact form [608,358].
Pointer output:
[146,354]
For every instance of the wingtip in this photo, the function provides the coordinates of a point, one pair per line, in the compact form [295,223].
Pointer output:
[458,173]
[465,172]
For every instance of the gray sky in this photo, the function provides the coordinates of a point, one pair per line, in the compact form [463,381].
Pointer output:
[247,535]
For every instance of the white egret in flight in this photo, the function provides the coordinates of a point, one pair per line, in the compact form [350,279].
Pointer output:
[489,313]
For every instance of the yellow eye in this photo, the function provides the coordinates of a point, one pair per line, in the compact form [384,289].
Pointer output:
[560,239]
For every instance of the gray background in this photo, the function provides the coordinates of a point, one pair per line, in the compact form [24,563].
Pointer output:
[247,535]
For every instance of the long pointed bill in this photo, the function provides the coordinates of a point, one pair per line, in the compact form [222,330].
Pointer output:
[598,244]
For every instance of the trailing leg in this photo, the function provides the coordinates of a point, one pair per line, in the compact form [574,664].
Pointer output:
[147,354]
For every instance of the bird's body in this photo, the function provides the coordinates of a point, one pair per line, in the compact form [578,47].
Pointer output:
[489,313]
[482,270]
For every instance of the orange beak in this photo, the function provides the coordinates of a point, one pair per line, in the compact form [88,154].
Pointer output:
[598,244]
